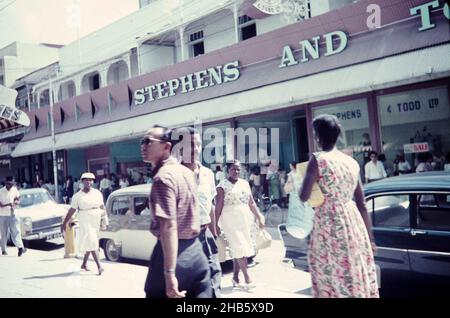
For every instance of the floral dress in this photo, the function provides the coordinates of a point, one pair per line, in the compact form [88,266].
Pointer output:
[340,258]
[236,219]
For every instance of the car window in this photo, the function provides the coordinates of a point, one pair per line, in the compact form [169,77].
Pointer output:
[141,206]
[30,199]
[389,211]
[433,211]
[120,206]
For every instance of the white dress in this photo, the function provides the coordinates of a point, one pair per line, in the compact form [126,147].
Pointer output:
[236,218]
[89,217]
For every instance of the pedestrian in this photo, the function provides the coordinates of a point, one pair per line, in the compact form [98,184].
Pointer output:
[219,175]
[68,188]
[255,183]
[205,194]
[9,221]
[235,214]
[123,183]
[374,169]
[425,159]
[341,248]
[105,187]
[178,266]
[89,204]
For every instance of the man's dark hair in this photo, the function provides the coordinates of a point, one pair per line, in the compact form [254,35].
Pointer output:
[327,128]
[373,152]
[9,179]
[166,135]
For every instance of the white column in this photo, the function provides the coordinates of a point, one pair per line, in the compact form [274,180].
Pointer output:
[52,127]
[104,75]
[181,34]
[77,80]
[128,61]
[236,20]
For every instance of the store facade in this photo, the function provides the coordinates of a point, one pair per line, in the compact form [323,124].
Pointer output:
[389,86]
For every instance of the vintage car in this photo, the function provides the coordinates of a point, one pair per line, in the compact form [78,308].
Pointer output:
[40,216]
[128,232]
[411,225]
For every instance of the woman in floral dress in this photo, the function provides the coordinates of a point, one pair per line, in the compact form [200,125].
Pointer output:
[341,257]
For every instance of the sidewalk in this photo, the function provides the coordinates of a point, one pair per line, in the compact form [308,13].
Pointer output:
[46,274]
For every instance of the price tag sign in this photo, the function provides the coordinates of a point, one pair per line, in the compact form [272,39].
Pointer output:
[416,147]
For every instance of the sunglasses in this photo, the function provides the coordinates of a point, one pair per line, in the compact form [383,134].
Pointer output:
[147,141]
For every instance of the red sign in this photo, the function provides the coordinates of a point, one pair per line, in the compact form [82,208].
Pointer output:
[417,147]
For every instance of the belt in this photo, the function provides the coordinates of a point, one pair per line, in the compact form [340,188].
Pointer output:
[203,227]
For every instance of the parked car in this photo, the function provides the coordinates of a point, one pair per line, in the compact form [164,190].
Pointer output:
[128,232]
[40,216]
[411,224]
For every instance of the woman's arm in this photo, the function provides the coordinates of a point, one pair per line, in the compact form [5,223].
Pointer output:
[219,207]
[361,204]
[312,175]
[254,208]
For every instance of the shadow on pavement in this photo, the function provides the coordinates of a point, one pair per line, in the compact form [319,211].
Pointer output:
[44,245]
[67,274]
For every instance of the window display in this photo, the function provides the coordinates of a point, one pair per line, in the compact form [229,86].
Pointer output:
[414,125]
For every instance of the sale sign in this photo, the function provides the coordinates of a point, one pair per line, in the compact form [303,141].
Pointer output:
[416,148]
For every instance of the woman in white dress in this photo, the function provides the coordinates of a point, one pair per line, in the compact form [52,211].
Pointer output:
[235,212]
[89,204]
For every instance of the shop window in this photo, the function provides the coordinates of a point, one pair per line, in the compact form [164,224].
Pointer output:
[355,139]
[415,124]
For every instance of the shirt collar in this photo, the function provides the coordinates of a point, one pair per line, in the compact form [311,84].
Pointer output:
[169,161]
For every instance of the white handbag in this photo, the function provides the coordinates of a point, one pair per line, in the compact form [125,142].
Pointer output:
[263,239]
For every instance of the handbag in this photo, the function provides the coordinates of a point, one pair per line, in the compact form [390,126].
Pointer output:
[263,239]
[104,221]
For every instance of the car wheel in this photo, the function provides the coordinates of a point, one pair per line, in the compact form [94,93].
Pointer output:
[112,252]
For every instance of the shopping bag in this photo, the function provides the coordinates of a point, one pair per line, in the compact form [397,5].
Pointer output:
[104,222]
[263,239]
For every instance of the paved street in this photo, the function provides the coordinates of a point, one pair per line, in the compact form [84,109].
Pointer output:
[43,272]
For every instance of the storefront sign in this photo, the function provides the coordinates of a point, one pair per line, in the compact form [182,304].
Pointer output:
[416,148]
[188,83]
[352,115]
[414,106]
[311,48]
[8,111]
[425,13]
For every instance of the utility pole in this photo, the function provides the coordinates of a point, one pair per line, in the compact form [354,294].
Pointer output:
[52,128]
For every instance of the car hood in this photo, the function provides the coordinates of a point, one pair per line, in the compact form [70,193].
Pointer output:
[43,211]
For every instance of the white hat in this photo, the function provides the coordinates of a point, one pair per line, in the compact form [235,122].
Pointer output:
[87,175]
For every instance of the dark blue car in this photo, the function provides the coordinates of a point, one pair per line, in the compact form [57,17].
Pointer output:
[411,224]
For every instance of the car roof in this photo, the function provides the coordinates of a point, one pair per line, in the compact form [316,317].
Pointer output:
[424,181]
[32,190]
[137,189]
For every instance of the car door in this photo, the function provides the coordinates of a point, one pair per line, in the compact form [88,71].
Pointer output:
[143,240]
[431,234]
[390,215]
[119,221]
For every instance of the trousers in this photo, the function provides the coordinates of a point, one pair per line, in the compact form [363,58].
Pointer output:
[212,254]
[192,271]
[10,225]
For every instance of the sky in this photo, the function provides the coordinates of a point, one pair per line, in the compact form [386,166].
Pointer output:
[57,21]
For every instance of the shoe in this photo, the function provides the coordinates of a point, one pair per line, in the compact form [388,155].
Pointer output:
[21,251]
[100,271]
[235,283]
[4,253]
[248,286]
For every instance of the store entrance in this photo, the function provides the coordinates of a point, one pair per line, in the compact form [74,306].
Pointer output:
[301,132]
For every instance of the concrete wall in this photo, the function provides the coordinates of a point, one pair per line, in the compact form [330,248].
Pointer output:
[154,57]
